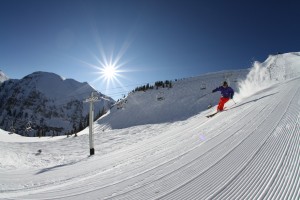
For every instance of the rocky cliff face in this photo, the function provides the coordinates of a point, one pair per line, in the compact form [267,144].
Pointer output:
[44,103]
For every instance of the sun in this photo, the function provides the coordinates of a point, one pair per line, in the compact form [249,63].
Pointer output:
[111,68]
[109,72]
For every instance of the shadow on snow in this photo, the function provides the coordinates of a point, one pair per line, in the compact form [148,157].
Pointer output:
[58,166]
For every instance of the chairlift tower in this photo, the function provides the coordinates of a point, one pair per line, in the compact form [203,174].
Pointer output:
[91,100]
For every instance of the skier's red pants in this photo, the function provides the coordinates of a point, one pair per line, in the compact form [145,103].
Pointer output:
[222,101]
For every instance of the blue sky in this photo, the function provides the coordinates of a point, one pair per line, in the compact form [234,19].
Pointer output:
[152,40]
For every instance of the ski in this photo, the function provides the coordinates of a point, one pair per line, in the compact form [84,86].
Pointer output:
[211,115]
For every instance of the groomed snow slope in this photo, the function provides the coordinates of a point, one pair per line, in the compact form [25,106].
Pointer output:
[250,151]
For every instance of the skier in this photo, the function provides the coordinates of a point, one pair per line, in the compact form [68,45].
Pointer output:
[227,94]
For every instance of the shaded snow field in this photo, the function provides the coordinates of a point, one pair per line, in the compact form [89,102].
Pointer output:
[249,151]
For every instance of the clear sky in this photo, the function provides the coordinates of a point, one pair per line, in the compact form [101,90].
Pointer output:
[148,40]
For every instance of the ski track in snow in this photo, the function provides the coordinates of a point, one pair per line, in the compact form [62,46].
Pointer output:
[250,151]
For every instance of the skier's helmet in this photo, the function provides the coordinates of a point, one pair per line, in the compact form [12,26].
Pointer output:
[225,83]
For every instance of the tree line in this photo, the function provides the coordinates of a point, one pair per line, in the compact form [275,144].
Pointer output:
[157,85]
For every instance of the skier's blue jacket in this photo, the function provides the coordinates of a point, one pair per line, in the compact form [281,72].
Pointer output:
[226,92]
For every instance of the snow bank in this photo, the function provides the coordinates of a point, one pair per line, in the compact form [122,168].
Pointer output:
[276,69]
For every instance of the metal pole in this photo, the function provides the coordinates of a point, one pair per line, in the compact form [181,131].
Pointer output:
[91,138]
[92,100]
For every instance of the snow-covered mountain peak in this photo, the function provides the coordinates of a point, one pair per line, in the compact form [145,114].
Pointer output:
[55,86]
[283,66]
[3,77]
[48,102]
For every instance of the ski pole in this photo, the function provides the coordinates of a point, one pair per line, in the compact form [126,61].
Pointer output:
[233,101]
[204,95]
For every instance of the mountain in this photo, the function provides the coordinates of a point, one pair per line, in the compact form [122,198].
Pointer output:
[3,77]
[44,103]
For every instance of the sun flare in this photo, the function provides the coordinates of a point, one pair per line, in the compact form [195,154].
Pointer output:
[109,72]
[110,69]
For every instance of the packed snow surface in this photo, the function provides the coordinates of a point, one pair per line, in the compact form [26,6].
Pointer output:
[249,151]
